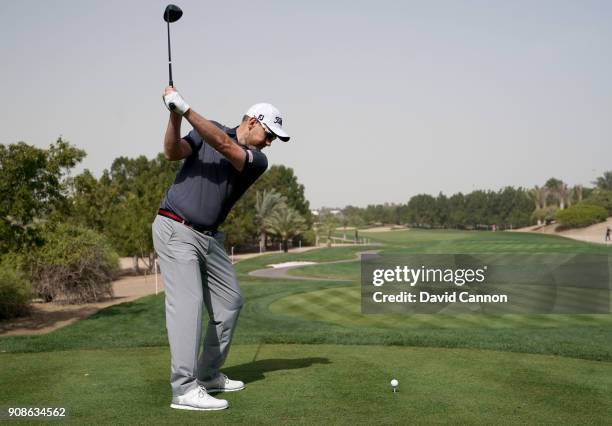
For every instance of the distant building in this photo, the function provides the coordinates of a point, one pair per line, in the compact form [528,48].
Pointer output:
[317,212]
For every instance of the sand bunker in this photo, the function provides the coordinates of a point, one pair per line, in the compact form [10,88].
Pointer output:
[385,229]
[593,234]
[291,264]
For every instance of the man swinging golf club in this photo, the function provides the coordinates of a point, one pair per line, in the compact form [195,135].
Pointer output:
[220,164]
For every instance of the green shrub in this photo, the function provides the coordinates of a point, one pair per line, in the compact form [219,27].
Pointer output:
[74,265]
[15,290]
[580,215]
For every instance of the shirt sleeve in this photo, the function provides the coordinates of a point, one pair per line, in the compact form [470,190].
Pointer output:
[194,140]
[255,164]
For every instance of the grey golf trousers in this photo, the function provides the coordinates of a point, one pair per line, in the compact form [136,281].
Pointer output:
[197,272]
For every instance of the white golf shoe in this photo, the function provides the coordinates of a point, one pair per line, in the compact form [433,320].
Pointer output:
[198,399]
[222,383]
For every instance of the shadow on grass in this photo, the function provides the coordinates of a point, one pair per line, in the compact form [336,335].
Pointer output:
[256,370]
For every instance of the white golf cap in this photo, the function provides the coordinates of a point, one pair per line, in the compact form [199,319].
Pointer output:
[271,117]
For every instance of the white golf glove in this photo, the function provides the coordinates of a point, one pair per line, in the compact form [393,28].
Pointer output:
[175,103]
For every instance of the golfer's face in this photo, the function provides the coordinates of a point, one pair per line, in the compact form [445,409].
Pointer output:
[260,138]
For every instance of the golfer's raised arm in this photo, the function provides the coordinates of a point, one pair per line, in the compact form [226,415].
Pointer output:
[216,138]
[175,148]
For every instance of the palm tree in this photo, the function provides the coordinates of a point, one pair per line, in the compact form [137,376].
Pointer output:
[604,182]
[578,191]
[534,194]
[285,223]
[266,203]
[575,195]
[328,223]
[554,187]
[539,196]
[563,194]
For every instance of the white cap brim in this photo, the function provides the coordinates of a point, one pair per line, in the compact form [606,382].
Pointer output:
[280,133]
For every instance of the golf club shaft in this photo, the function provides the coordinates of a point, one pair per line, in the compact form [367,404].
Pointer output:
[169,56]
[170,83]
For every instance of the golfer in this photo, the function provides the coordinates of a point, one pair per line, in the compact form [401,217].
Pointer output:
[220,164]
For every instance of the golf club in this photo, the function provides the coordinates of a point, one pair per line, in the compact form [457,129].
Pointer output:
[172,14]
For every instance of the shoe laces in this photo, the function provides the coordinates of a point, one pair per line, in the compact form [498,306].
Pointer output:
[225,378]
[202,392]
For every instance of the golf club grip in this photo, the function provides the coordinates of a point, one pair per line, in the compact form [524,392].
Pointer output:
[171,84]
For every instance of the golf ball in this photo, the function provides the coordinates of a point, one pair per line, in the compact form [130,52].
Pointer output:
[394,383]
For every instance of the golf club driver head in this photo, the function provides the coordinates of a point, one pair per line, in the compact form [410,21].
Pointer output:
[172,13]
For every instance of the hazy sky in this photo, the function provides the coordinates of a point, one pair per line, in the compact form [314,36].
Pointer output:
[383,99]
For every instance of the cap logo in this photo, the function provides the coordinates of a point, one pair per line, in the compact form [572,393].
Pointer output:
[260,117]
[278,120]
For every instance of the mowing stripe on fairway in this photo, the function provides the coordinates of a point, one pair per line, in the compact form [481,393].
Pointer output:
[343,306]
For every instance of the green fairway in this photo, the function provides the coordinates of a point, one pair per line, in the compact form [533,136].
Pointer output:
[319,359]
[319,255]
[319,384]
[342,306]
[333,271]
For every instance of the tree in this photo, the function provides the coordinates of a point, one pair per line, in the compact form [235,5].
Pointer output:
[139,185]
[556,189]
[240,226]
[518,211]
[33,187]
[283,180]
[602,198]
[544,215]
[476,203]
[286,223]
[353,216]
[421,210]
[577,193]
[457,216]
[92,200]
[267,202]
[604,182]
[563,193]
[539,196]
[122,204]
[326,224]
[441,212]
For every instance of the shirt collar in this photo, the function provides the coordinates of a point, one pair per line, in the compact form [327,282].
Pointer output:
[232,133]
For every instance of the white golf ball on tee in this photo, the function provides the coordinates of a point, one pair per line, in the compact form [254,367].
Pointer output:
[394,383]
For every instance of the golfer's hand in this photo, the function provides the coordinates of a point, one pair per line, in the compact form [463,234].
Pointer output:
[174,101]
